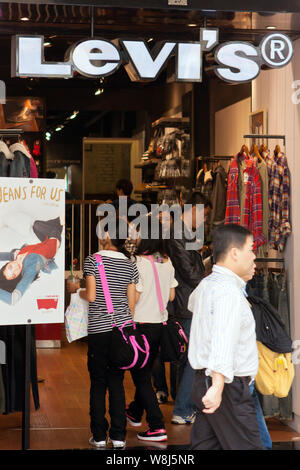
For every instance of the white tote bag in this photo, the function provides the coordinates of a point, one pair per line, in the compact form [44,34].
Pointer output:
[76,318]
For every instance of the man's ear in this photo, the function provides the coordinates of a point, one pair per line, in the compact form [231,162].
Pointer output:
[234,253]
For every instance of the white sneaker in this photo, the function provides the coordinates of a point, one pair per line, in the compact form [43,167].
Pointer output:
[117,444]
[178,420]
[191,419]
[98,444]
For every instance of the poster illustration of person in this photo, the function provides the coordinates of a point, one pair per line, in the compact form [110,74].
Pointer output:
[32,246]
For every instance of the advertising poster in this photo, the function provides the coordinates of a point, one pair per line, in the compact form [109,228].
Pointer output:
[32,251]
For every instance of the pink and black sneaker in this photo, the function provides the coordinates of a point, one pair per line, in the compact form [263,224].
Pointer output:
[131,419]
[155,435]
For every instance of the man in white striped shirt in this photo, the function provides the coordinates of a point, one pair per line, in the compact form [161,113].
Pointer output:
[222,347]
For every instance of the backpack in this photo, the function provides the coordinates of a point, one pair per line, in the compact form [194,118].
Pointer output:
[270,329]
[275,372]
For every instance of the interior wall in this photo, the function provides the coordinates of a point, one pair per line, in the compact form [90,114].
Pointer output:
[273,91]
[231,123]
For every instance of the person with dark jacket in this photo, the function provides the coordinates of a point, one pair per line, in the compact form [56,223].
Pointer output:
[189,271]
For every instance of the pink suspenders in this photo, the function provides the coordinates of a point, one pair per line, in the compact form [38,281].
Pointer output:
[157,284]
[109,305]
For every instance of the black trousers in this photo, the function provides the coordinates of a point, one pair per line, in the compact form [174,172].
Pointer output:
[145,397]
[233,426]
[104,377]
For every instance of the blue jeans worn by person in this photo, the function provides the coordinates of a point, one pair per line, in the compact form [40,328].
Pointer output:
[263,430]
[184,405]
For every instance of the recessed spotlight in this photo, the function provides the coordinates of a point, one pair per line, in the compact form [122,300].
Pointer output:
[59,128]
[150,39]
[99,91]
[47,44]
[24,18]
[192,25]
[271,27]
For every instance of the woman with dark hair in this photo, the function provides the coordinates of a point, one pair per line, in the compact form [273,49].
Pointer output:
[24,265]
[122,276]
[149,319]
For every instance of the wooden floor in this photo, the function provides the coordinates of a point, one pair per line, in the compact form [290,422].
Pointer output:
[62,422]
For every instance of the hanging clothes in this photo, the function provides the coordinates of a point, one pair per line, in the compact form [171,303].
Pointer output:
[5,158]
[279,200]
[273,288]
[13,370]
[244,201]
[208,184]
[21,164]
[218,198]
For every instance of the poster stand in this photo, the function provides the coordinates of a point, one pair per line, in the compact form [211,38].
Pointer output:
[27,351]
[26,395]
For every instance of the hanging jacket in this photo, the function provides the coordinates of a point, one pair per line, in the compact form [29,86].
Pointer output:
[20,166]
[279,200]
[270,330]
[251,216]
[218,198]
[5,157]
[33,169]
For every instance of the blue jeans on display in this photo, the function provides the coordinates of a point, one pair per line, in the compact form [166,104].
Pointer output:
[184,405]
[263,430]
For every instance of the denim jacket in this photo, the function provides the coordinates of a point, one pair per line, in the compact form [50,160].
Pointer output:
[32,265]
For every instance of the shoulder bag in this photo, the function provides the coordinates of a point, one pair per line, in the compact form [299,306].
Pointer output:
[173,340]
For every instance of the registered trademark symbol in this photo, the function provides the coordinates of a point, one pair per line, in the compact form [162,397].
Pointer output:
[277,50]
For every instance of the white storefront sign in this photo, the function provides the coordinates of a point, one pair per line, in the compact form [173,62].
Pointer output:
[237,62]
[32,251]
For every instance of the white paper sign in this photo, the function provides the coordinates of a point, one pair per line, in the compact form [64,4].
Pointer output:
[32,251]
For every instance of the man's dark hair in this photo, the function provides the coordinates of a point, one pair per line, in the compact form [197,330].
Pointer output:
[198,198]
[227,237]
[126,186]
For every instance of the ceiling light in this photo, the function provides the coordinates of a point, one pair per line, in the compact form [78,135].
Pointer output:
[150,39]
[271,27]
[191,25]
[48,135]
[99,91]
[59,128]
[24,18]
[73,116]
[47,44]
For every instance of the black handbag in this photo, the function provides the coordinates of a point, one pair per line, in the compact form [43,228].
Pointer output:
[129,349]
[173,341]
[173,338]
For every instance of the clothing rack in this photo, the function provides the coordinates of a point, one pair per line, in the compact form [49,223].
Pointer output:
[215,158]
[11,131]
[270,260]
[265,136]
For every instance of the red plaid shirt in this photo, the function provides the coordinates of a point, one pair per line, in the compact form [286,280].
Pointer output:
[252,217]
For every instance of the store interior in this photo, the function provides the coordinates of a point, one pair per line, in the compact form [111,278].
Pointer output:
[72,126]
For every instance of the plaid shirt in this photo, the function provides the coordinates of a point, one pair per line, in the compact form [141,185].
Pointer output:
[252,217]
[279,201]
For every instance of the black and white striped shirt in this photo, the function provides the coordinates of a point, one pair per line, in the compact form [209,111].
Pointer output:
[120,272]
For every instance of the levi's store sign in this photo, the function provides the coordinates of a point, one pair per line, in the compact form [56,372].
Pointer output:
[236,62]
